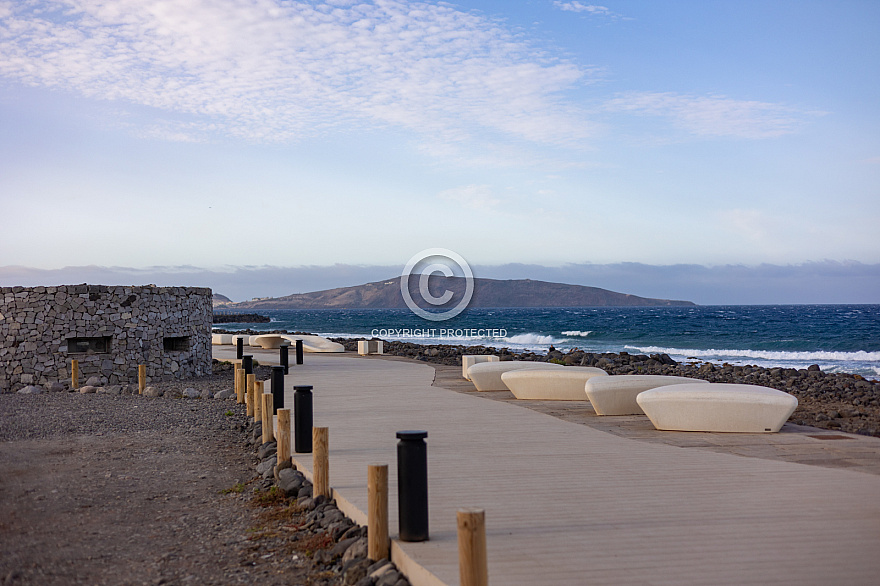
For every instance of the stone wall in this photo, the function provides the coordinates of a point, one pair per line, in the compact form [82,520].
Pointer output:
[118,328]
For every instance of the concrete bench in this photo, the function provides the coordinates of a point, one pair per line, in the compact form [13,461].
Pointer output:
[558,384]
[221,339]
[717,407]
[468,360]
[314,343]
[486,376]
[616,395]
[366,347]
[267,341]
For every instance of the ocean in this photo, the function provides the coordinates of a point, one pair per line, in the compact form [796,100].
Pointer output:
[839,338]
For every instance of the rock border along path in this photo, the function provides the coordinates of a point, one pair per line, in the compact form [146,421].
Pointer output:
[570,504]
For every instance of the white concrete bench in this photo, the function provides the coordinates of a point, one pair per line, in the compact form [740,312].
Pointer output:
[468,360]
[267,341]
[558,384]
[221,339]
[314,343]
[486,376]
[717,407]
[616,395]
[366,347]
[245,339]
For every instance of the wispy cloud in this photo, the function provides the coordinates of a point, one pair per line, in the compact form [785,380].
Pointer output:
[580,7]
[712,115]
[475,197]
[268,71]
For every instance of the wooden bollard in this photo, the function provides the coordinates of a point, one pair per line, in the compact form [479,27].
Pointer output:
[472,563]
[235,380]
[242,385]
[249,393]
[321,461]
[142,378]
[377,512]
[268,436]
[283,435]
[74,373]
[258,400]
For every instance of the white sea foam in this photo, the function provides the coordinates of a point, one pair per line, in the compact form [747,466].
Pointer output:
[531,339]
[859,356]
[577,333]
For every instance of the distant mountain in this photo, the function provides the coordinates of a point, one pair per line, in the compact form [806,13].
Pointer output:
[221,300]
[487,293]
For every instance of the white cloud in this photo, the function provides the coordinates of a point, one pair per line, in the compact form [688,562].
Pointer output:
[579,7]
[475,197]
[711,115]
[278,71]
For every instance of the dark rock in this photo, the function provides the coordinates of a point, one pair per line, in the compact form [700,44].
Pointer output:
[355,572]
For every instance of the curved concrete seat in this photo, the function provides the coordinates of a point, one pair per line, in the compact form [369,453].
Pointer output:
[314,343]
[221,339]
[267,341]
[246,339]
[486,376]
[717,407]
[468,360]
[557,384]
[616,395]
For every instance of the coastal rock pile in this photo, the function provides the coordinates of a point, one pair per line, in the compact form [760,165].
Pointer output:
[828,400]
[340,556]
[240,318]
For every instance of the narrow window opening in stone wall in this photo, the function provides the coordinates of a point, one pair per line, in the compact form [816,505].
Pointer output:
[176,343]
[94,345]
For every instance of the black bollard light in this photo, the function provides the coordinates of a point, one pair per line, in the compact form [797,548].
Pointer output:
[277,388]
[412,485]
[299,351]
[247,363]
[283,357]
[302,415]
[239,348]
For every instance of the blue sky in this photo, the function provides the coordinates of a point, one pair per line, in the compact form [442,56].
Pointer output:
[223,134]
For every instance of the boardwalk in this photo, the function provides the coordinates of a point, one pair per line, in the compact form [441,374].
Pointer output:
[569,504]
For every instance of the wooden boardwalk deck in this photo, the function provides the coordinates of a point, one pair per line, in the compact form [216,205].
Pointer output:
[569,504]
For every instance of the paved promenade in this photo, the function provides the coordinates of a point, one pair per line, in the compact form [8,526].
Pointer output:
[569,504]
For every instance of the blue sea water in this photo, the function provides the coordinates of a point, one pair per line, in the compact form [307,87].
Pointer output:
[839,338]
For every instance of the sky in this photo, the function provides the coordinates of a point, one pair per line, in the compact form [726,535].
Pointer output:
[716,151]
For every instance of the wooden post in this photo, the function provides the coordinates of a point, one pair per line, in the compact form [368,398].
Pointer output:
[321,461]
[258,400]
[377,513]
[74,373]
[249,393]
[235,380]
[142,378]
[242,385]
[472,564]
[268,436]
[283,435]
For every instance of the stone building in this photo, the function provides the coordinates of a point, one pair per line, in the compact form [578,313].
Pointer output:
[110,330]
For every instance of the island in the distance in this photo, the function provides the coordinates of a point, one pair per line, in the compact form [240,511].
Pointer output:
[487,293]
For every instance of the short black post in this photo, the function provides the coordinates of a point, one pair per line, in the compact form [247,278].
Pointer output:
[239,348]
[302,415]
[277,388]
[299,351]
[247,363]
[284,351]
[412,485]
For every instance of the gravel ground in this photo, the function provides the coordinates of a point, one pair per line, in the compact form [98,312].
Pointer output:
[126,489]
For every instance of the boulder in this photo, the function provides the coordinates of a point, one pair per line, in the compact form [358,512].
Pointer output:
[191,393]
[88,389]
[30,390]
[152,392]
[227,394]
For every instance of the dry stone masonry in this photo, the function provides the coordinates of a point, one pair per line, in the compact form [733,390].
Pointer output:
[110,330]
